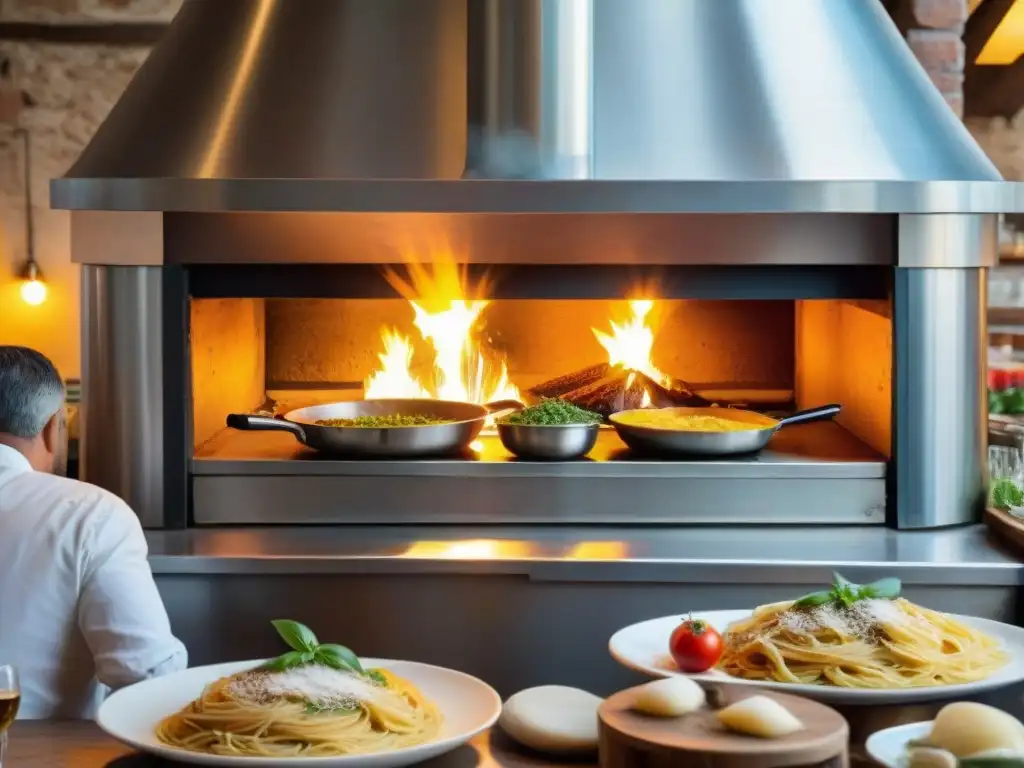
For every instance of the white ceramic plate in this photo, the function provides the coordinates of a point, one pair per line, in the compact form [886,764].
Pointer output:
[644,647]
[889,746]
[131,714]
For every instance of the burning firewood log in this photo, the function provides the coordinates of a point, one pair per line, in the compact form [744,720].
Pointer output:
[678,395]
[607,389]
[615,392]
[571,381]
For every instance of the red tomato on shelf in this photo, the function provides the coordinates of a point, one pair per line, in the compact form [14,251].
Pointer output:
[1000,379]
[695,645]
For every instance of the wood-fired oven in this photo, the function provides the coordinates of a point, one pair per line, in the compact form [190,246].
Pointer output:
[803,215]
[263,312]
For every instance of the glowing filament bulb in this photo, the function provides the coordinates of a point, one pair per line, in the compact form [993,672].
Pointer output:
[33,292]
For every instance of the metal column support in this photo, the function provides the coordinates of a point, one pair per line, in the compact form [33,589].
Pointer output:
[939,348]
[133,426]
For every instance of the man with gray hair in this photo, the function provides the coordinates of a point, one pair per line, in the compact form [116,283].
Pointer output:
[79,611]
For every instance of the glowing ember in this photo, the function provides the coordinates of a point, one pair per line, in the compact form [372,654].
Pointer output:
[446,319]
[629,345]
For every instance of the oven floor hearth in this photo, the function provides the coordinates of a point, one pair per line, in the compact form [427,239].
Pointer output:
[814,473]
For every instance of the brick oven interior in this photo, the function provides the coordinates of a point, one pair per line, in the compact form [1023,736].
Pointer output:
[288,353]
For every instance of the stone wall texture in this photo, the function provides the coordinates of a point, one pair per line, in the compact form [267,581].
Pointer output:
[76,85]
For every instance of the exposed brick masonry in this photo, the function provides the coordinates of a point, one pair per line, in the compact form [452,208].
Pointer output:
[934,29]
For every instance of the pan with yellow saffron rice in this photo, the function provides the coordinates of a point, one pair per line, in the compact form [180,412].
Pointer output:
[317,705]
[706,431]
[849,644]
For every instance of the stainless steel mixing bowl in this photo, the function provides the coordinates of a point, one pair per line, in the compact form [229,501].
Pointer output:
[548,442]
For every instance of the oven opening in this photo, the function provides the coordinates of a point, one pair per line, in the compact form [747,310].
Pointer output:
[450,339]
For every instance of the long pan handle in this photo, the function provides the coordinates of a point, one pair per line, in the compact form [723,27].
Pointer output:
[820,413]
[499,409]
[249,423]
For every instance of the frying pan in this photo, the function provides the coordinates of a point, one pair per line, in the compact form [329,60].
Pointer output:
[762,429]
[467,419]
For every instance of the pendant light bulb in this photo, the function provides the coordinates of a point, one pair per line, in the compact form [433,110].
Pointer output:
[33,288]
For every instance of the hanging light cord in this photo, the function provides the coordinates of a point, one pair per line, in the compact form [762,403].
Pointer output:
[30,236]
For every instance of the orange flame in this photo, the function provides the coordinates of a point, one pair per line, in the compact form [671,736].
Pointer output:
[446,319]
[631,343]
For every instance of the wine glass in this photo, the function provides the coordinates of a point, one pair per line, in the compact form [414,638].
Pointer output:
[10,698]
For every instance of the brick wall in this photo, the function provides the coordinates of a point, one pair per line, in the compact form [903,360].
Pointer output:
[934,29]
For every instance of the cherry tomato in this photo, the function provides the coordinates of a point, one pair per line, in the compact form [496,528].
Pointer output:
[695,645]
[998,379]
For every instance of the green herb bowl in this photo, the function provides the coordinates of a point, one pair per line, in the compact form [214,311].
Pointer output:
[548,442]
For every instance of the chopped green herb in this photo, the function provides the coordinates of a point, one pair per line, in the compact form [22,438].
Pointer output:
[1006,493]
[316,709]
[387,420]
[553,413]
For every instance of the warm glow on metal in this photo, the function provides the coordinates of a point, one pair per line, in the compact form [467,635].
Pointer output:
[472,549]
[1007,42]
[33,292]
[598,550]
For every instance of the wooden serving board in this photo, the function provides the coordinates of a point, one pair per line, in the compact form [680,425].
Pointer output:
[629,739]
[1007,528]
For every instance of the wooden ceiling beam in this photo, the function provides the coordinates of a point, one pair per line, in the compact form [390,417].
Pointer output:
[997,92]
[990,91]
[982,24]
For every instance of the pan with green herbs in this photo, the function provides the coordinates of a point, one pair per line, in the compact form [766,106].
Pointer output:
[551,430]
[386,428]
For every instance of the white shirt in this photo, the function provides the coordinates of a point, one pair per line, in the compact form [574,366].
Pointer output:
[79,611]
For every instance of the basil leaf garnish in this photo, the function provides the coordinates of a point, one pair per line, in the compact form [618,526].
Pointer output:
[287,661]
[338,656]
[840,581]
[298,636]
[883,589]
[814,599]
[991,762]
[376,676]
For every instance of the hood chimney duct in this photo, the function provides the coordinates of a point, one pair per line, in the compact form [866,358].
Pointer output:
[534,89]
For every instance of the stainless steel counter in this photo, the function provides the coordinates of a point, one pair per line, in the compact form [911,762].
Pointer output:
[707,555]
[545,599]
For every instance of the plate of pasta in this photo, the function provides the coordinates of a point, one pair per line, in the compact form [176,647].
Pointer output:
[849,644]
[315,705]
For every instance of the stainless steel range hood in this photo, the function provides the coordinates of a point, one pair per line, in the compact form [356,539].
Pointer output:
[533,105]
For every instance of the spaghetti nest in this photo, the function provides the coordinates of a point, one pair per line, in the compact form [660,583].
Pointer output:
[869,644]
[252,714]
